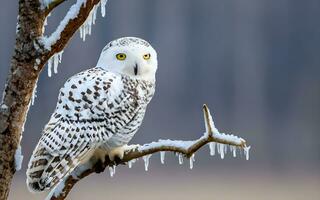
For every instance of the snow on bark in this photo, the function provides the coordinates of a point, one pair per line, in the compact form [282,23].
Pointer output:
[71,14]
[45,23]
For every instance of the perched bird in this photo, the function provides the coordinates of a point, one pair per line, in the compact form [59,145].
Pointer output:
[98,112]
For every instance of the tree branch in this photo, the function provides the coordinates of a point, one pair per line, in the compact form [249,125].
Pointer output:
[133,152]
[74,18]
[31,52]
[52,5]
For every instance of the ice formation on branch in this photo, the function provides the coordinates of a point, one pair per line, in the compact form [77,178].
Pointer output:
[34,93]
[191,160]
[180,156]
[112,170]
[85,28]
[212,146]
[146,159]
[54,61]
[212,136]
[131,162]
[180,148]
[246,152]
[103,7]
[71,14]
[162,156]
[18,158]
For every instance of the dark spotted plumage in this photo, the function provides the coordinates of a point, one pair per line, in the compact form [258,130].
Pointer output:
[95,108]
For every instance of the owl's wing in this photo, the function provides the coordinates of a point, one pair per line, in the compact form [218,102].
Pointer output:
[78,125]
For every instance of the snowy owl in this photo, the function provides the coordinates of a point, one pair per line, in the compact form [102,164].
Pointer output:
[98,112]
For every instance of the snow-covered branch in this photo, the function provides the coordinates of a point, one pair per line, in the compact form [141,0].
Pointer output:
[81,16]
[49,5]
[74,19]
[183,149]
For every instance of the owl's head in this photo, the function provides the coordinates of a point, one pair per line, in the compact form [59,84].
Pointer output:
[130,56]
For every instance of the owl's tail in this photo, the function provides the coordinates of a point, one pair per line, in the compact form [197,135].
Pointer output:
[39,162]
[45,170]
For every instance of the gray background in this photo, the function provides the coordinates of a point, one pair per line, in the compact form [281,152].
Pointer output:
[254,62]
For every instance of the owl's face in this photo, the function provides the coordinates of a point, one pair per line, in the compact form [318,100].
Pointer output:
[130,56]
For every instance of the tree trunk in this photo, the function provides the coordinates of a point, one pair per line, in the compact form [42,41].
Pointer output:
[19,87]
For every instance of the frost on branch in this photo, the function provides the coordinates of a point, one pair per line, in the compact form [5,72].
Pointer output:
[73,13]
[218,142]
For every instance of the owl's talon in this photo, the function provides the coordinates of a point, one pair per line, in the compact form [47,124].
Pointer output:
[116,152]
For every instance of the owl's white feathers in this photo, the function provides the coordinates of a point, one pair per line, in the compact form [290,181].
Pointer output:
[98,110]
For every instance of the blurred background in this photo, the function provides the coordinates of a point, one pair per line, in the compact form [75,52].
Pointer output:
[255,63]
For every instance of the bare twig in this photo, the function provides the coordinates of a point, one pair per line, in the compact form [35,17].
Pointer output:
[186,148]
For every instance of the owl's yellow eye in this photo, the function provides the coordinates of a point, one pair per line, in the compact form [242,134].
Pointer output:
[146,56]
[121,56]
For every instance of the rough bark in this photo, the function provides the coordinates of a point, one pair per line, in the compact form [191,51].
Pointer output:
[18,90]
[27,61]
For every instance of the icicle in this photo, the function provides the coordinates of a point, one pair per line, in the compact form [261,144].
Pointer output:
[246,152]
[34,93]
[49,66]
[180,158]
[131,162]
[191,160]
[112,170]
[221,150]
[18,157]
[146,159]
[212,146]
[60,56]
[85,28]
[233,149]
[162,155]
[45,23]
[54,61]
[103,7]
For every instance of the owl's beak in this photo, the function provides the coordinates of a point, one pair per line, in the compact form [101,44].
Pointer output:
[135,69]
